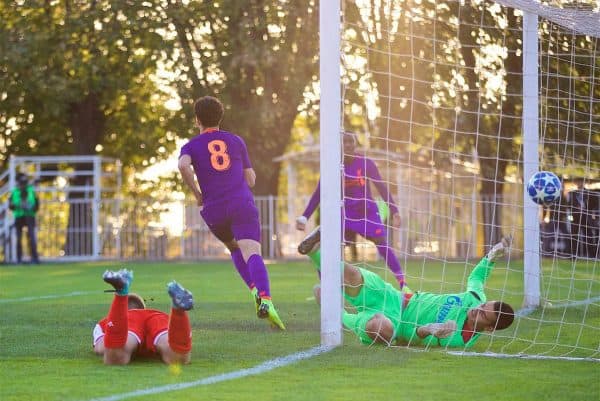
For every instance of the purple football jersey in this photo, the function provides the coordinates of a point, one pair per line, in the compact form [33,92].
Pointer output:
[219,159]
[358,197]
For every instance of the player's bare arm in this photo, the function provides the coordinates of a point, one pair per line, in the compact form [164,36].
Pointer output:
[439,330]
[185,168]
[250,177]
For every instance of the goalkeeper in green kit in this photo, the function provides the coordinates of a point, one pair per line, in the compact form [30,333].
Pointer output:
[387,315]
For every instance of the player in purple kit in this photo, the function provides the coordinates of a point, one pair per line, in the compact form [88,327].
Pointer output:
[222,167]
[361,213]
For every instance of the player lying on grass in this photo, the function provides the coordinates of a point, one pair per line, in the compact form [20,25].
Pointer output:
[220,163]
[131,329]
[362,215]
[387,315]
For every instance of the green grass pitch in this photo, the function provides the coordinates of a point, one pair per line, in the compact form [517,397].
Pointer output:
[47,314]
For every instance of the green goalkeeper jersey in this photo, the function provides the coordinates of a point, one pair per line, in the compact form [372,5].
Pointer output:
[424,308]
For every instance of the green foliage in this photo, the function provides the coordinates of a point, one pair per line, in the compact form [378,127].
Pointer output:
[570,115]
[257,57]
[431,79]
[457,67]
[82,76]
[449,82]
[79,79]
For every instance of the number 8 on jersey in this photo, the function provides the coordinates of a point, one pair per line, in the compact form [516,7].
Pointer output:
[219,159]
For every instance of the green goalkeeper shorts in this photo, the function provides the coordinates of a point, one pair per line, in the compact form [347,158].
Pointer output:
[377,296]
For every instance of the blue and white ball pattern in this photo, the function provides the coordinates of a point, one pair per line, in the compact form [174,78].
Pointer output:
[544,187]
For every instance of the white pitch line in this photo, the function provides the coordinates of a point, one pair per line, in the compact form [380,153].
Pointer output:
[574,303]
[258,369]
[522,356]
[26,299]
[527,311]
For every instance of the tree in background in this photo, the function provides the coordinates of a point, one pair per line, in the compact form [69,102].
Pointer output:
[448,82]
[83,78]
[77,79]
[424,62]
[258,57]
[569,107]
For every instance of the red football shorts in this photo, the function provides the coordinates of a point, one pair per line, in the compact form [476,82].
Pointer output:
[146,325]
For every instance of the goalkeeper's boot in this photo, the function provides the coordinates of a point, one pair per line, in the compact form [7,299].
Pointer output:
[499,249]
[182,298]
[310,242]
[120,280]
[405,289]
[266,310]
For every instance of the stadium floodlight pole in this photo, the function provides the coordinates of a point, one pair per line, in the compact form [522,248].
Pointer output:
[531,225]
[331,172]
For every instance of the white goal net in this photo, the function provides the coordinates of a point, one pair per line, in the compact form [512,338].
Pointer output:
[457,107]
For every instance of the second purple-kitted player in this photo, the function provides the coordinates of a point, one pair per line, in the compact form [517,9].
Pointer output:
[361,214]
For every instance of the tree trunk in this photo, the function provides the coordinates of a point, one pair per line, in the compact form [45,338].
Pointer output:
[507,127]
[87,127]
[491,206]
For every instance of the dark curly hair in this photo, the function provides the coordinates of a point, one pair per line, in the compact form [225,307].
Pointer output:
[209,111]
[505,315]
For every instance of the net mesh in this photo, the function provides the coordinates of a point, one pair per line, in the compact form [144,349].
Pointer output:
[434,91]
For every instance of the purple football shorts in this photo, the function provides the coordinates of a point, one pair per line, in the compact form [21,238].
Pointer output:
[234,219]
[366,223]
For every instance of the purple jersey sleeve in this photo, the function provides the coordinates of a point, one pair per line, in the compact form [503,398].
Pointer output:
[315,199]
[185,150]
[373,175]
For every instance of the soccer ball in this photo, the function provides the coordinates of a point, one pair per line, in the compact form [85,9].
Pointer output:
[544,187]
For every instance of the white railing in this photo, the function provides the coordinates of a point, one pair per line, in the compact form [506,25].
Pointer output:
[436,227]
[136,229]
[71,189]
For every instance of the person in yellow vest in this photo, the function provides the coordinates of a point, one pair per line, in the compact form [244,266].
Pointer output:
[24,204]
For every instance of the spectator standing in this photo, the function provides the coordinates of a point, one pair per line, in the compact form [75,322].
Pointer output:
[25,204]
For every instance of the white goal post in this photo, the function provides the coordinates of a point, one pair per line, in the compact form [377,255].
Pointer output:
[330,159]
[531,127]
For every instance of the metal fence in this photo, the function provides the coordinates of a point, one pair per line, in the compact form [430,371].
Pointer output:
[143,229]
